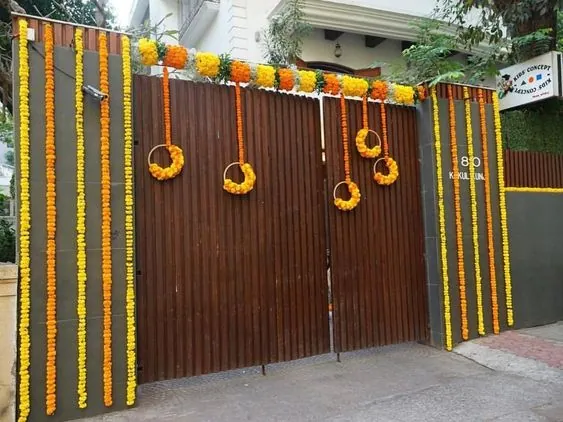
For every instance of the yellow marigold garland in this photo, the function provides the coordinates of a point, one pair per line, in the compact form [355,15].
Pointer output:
[404,94]
[175,152]
[533,190]
[129,223]
[392,166]
[106,222]
[503,219]
[80,218]
[354,87]
[307,80]
[353,190]
[442,223]
[265,76]
[24,223]
[148,51]
[249,176]
[458,219]
[474,216]
[489,210]
[363,134]
[207,64]
[51,220]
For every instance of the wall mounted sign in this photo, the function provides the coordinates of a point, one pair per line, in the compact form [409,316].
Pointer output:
[534,80]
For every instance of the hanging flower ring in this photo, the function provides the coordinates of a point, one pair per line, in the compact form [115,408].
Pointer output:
[391,177]
[363,148]
[355,195]
[240,188]
[175,167]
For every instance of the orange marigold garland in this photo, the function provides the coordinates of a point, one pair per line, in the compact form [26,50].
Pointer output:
[240,72]
[458,220]
[106,222]
[176,56]
[175,152]
[249,176]
[51,218]
[392,166]
[379,90]
[363,134]
[353,190]
[287,79]
[331,84]
[489,213]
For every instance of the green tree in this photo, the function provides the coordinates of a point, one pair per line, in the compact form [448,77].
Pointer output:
[7,242]
[283,39]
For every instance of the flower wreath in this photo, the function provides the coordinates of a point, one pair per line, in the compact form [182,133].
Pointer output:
[392,166]
[363,134]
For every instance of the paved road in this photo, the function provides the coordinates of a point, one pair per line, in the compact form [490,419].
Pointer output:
[409,382]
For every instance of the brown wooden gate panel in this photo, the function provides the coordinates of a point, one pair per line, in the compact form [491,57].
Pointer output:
[530,169]
[226,282]
[377,255]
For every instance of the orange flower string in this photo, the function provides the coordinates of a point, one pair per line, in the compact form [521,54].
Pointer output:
[365,122]
[240,136]
[287,79]
[379,90]
[240,72]
[106,222]
[353,190]
[166,100]
[458,221]
[332,84]
[390,163]
[176,56]
[489,212]
[51,219]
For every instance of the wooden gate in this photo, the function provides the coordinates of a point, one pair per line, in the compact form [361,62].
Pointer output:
[224,281]
[227,282]
[377,252]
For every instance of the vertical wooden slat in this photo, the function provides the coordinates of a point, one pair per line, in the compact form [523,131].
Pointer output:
[533,169]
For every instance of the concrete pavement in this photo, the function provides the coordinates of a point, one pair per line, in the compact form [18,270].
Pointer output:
[408,382]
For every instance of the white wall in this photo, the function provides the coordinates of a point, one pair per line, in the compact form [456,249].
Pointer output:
[420,8]
[159,9]
[215,39]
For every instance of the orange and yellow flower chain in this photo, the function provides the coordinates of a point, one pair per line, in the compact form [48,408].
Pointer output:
[489,213]
[129,223]
[344,126]
[365,122]
[384,133]
[458,222]
[25,223]
[51,219]
[442,222]
[240,136]
[503,218]
[106,221]
[166,100]
[474,213]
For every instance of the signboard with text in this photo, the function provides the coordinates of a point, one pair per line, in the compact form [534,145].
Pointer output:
[534,80]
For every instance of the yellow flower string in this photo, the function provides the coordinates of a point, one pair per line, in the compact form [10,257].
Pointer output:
[442,222]
[129,224]
[488,207]
[474,215]
[80,218]
[458,219]
[106,221]
[503,219]
[25,222]
[51,220]
[533,190]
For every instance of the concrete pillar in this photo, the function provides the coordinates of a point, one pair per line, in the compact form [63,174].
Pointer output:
[8,312]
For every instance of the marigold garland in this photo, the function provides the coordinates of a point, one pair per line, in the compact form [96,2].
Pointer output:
[148,51]
[287,79]
[503,219]
[421,93]
[24,223]
[458,219]
[379,90]
[106,221]
[489,211]
[176,56]
[474,215]
[355,196]
[207,64]
[404,94]
[354,87]
[249,176]
[533,190]
[265,76]
[307,80]
[240,72]
[363,134]
[442,222]
[51,220]
[81,275]
[129,223]
[392,166]
[175,152]
[331,84]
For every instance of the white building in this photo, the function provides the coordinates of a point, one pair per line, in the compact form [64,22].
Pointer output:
[365,31]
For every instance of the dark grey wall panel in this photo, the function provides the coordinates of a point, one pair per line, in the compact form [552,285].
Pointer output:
[535,230]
